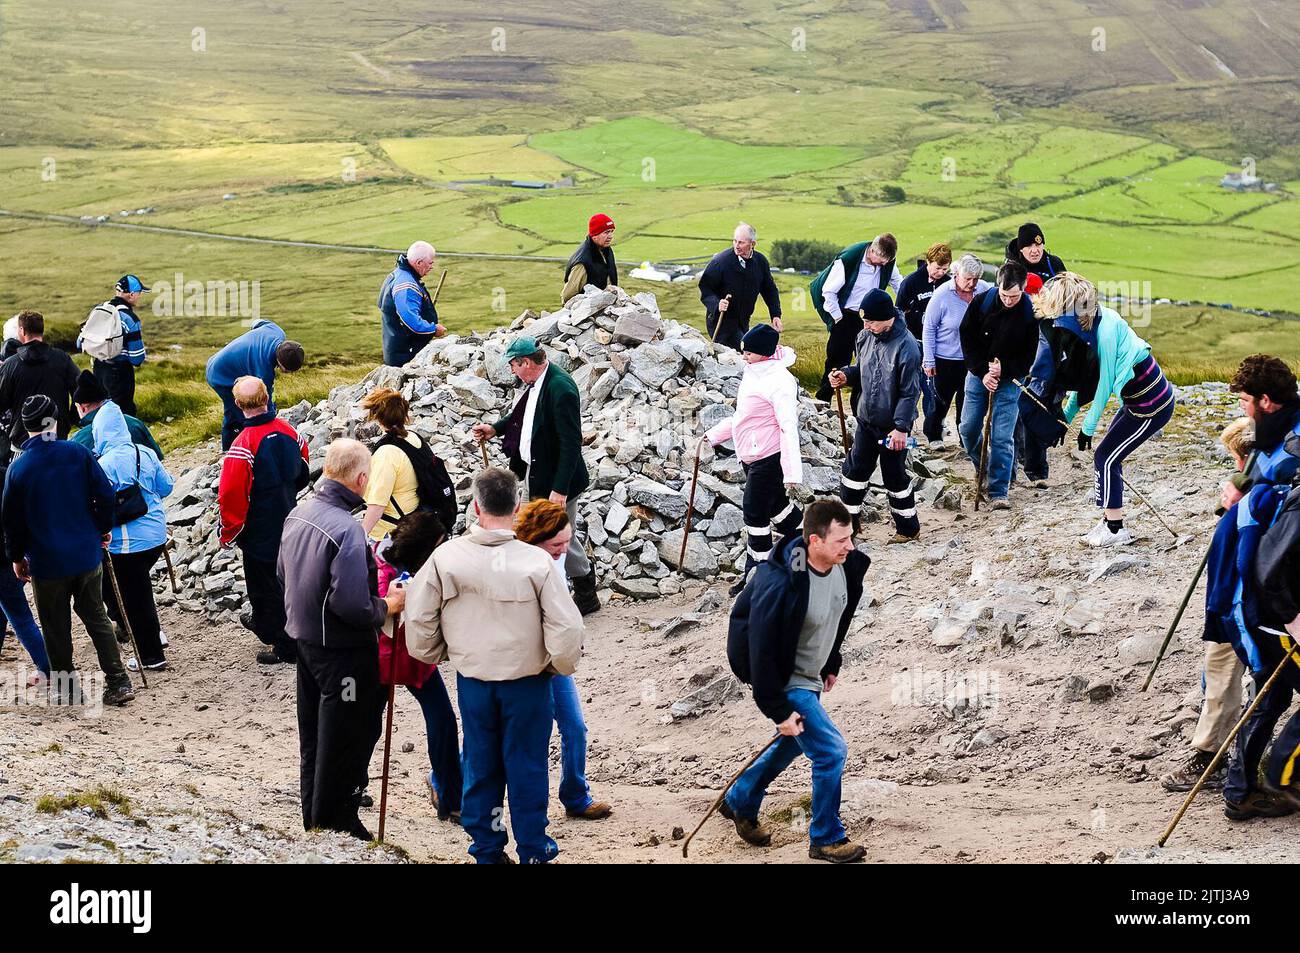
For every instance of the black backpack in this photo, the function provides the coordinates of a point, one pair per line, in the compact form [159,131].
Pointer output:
[433,486]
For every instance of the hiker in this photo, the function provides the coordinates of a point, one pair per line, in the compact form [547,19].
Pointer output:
[1221,680]
[87,397]
[139,534]
[18,615]
[1267,394]
[57,512]
[405,475]
[914,294]
[399,555]
[593,263]
[330,579]
[888,371]
[1125,369]
[544,524]
[841,288]
[542,437]
[498,610]
[942,359]
[784,639]
[730,286]
[1037,429]
[765,432]
[40,369]
[7,414]
[999,339]
[258,352]
[408,315]
[116,348]
[1027,249]
[261,476]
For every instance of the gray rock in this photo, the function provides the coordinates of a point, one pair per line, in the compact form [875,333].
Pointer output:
[701,560]
[473,390]
[1117,564]
[655,364]
[728,520]
[662,499]
[636,327]
[616,517]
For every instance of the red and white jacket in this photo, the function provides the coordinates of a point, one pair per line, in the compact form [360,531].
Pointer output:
[261,475]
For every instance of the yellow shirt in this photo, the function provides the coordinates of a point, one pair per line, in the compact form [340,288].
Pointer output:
[392,477]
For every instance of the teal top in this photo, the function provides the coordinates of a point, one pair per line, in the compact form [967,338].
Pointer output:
[1119,350]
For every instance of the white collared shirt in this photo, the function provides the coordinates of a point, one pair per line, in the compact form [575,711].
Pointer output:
[868,278]
[530,411]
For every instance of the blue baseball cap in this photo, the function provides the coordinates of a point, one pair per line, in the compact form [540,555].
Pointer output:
[130,284]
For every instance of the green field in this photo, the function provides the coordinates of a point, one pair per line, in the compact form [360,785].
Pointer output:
[360,125]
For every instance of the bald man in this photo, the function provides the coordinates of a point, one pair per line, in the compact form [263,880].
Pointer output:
[410,321]
[261,476]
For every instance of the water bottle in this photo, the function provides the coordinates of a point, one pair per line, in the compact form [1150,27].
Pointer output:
[911,443]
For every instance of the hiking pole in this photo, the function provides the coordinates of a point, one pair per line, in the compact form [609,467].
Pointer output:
[171,570]
[690,505]
[1223,748]
[1191,587]
[734,778]
[388,732]
[984,456]
[126,622]
[844,430]
[482,445]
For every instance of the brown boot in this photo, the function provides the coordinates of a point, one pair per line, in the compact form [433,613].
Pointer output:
[900,538]
[845,852]
[751,832]
[1185,776]
[596,810]
[1257,804]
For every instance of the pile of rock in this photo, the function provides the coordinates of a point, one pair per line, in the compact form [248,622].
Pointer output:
[650,387]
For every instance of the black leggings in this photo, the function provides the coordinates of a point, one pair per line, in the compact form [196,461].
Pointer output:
[133,571]
[949,381]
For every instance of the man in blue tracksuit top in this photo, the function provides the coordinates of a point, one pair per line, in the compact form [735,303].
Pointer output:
[410,320]
[259,352]
[118,373]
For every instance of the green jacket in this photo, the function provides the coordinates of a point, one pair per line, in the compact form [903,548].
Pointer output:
[852,258]
[139,433]
[556,464]
[1119,349]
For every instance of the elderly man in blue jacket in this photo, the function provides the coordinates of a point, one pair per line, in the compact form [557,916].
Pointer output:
[410,320]
[258,352]
[786,631]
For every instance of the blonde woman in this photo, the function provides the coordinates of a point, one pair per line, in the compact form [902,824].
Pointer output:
[1097,356]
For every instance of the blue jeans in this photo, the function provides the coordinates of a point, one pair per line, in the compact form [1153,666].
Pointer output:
[575,795]
[14,603]
[507,736]
[444,745]
[822,742]
[1002,438]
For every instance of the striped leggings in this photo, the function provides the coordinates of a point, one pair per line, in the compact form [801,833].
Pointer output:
[1126,433]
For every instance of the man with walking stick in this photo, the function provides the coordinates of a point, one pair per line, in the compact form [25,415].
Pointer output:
[409,313]
[765,432]
[784,639]
[888,371]
[730,286]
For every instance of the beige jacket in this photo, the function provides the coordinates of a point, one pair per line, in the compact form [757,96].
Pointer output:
[577,281]
[496,608]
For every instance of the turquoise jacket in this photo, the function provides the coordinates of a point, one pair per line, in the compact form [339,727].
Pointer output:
[1118,349]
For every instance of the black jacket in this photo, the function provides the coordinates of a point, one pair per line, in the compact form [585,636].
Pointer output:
[991,331]
[1049,266]
[914,295]
[724,276]
[602,269]
[763,636]
[37,368]
[1277,565]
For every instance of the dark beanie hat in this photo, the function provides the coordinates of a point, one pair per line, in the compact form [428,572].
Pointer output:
[760,339]
[878,306]
[38,412]
[1029,234]
[89,390]
[289,355]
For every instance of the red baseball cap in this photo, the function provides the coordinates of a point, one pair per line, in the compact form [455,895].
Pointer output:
[599,222]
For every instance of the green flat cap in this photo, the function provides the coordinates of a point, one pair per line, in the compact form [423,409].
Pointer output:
[522,346]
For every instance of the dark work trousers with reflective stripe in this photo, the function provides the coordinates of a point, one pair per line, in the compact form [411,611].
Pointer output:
[860,464]
[766,506]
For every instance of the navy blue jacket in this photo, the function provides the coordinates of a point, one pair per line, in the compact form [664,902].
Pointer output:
[914,296]
[409,316]
[58,504]
[763,636]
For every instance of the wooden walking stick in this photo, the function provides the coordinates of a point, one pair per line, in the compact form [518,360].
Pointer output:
[690,505]
[171,570]
[717,326]
[388,730]
[438,290]
[1223,748]
[734,778]
[126,622]
[844,430]
[984,455]
[482,445]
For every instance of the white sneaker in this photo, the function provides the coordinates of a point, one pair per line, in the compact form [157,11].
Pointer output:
[1100,536]
[938,445]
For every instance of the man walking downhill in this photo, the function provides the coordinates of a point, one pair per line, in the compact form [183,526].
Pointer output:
[784,639]
[333,612]
[261,476]
[499,609]
[765,432]
[730,286]
[58,512]
[889,373]
[839,292]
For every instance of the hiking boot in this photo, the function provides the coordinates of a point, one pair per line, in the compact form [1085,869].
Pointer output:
[751,832]
[1001,503]
[271,657]
[361,799]
[843,852]
[118,691]
[246,619]
[584,593]
[595,811]
[1257,804]
[1185,776]
[900,538]
[443,815]
[1287,794]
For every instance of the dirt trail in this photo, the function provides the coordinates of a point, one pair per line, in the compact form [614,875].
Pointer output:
[1020,775]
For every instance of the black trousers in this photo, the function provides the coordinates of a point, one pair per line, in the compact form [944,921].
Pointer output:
[765,506]
[118,378]
[860,464]
[134,578]
[1252,741]
[338,699]
[1030,452]
[731,331]
[839,353]
[949,383]
[266,601]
